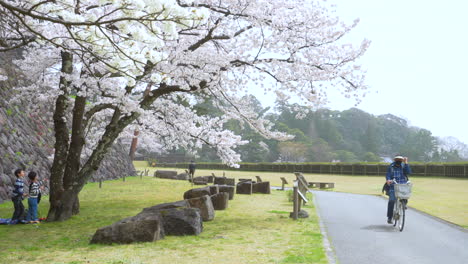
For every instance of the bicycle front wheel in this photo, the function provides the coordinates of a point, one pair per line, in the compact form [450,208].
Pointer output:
[396,213]
[401,212]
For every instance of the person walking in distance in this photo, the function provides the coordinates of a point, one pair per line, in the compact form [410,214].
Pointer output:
[398,171]
[191,168]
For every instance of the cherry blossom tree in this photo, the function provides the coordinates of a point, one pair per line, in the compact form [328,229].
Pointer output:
[113,67]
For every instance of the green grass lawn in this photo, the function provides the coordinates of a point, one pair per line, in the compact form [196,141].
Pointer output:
[254,229]
[446,198]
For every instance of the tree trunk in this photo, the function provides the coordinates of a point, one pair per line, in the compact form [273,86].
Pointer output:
[61,141]
[76,206]
[133,147]
[67,207]
[67,176]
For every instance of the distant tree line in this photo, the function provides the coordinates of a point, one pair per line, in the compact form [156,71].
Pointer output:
[326,135]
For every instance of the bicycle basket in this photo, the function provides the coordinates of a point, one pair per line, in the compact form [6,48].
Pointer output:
[403,191]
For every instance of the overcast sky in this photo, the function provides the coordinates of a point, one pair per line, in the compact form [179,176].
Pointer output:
[417,62]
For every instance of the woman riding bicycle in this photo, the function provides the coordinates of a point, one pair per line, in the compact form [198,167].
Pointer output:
[397,171]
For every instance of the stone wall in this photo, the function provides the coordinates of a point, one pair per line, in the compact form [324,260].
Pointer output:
[26,141]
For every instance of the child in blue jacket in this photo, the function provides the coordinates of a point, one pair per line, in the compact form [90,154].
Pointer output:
[18,195]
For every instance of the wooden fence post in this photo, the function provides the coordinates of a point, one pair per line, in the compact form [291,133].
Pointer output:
[295,202]
[100,183]
[123,178]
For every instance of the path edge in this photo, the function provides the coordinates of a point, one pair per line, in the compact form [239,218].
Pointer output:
[329,252]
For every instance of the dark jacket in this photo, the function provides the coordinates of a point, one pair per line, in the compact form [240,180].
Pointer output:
[191,167]
[19,188]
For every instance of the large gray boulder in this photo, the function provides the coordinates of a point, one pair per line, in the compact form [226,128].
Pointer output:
[200,180]
[261,187]
[220,200]
[230,181]
[181,221]
[156,208]
[214,189]
[163,174]
[139,228]
[244,187]
[224,181]
[197,192]
[182,176]
[152,224]
[219,180]
[210,179]
[227,188]
[205,205]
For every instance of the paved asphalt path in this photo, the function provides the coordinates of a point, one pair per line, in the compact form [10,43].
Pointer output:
[359,234]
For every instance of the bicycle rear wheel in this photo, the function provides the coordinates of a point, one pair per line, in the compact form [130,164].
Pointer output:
[401,212]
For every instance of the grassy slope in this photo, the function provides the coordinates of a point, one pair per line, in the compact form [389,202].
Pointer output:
[254,229]
[446,198]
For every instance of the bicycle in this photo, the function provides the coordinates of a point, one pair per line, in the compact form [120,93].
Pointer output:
[402,194]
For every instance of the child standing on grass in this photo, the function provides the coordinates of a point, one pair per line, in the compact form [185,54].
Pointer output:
[18,196]
[34,191]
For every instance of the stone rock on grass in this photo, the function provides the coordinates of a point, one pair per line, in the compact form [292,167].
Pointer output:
[200,181]
[220,180]
[154,209]
[182,176]
[139,228]
[230,181]
[244,187]
[227,188]
[181,221]
[214,189]
[210,179]
[224,181]
[261,187]
[197,192]
[220,200]
[164,174]
[205,205]
[151,225]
